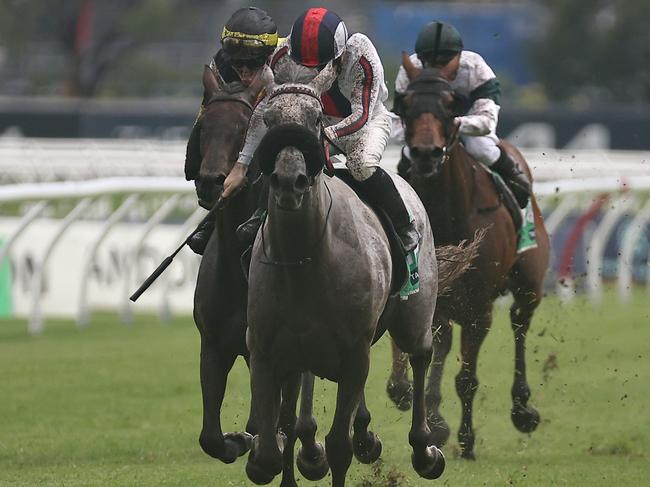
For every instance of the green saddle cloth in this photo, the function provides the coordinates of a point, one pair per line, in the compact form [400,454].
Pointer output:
[527,239]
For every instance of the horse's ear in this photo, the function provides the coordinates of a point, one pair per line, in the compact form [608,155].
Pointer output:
[323,81]
[411,71]
[212,82]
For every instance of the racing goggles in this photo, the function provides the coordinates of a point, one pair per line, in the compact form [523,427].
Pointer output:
[250,63]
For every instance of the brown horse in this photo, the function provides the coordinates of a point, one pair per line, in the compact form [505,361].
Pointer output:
[460,198]
[221,290]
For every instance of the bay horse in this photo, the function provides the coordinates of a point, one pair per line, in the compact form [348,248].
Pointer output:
[319,293]
[460,198]
[221,289]
[221,294]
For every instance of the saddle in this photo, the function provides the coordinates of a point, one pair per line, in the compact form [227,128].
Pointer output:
[398,256]
[507,198]
[523,219]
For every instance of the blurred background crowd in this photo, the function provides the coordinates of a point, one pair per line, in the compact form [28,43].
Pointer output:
[569,63]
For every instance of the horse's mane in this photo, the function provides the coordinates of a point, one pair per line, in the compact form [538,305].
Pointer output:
[291,72]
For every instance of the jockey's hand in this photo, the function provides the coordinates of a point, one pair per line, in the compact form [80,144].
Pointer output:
[330,134]
[235,181]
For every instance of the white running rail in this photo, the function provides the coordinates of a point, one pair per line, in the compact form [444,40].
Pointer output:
[565,183]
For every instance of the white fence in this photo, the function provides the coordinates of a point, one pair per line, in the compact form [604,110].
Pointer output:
[72,249]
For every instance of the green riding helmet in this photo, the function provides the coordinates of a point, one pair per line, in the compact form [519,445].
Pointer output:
[249,34]
[438,41]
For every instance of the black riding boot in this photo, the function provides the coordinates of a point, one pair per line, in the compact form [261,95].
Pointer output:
[514,177]
[199,240]
[247,231]
[380,191]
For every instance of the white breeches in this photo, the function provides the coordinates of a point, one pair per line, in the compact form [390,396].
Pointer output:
[483,148]
[365,148]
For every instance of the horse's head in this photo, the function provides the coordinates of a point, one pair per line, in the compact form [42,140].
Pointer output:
[228,108]
[296,96]
[427,110]
[291,152]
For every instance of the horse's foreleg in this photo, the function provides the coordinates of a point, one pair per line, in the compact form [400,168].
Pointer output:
[428,461]
[290,391]
[366,444]
[472,336]
[214,371]
[337,442]
[398,387]
[524,417]
[311,460]
[442,338]
[265,458]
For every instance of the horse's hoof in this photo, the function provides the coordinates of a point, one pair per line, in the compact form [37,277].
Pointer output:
[401,393]
[431,466]
[467,455]
[229,448]
[257,475]
[466,442]
[368,449]
[439,430]
[525,418]
[314,467]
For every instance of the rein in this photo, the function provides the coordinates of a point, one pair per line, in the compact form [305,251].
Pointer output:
[450,145]
[222,97]
[303,260]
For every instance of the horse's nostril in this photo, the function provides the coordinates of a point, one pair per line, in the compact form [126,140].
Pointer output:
[415,152]
[220,179]
[301,183]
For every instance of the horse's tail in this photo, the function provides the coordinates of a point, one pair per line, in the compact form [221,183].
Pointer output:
[454,260]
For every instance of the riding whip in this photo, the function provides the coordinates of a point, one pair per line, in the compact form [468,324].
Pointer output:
[220,204]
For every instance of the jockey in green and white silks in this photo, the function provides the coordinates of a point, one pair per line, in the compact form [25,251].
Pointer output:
[354,105]
[439,45]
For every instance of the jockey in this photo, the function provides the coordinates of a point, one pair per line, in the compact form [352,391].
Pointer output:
[355,102]
[247,40]
[440,46]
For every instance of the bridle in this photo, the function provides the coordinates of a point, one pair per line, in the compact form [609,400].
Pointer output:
[301,90]
[290,89]
[304,260]
[222,96]
[424,86]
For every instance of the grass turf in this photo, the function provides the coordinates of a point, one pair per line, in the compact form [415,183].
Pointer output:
[120,406]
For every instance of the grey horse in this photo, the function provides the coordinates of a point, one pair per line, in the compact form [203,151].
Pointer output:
[221,289]
[320,294]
